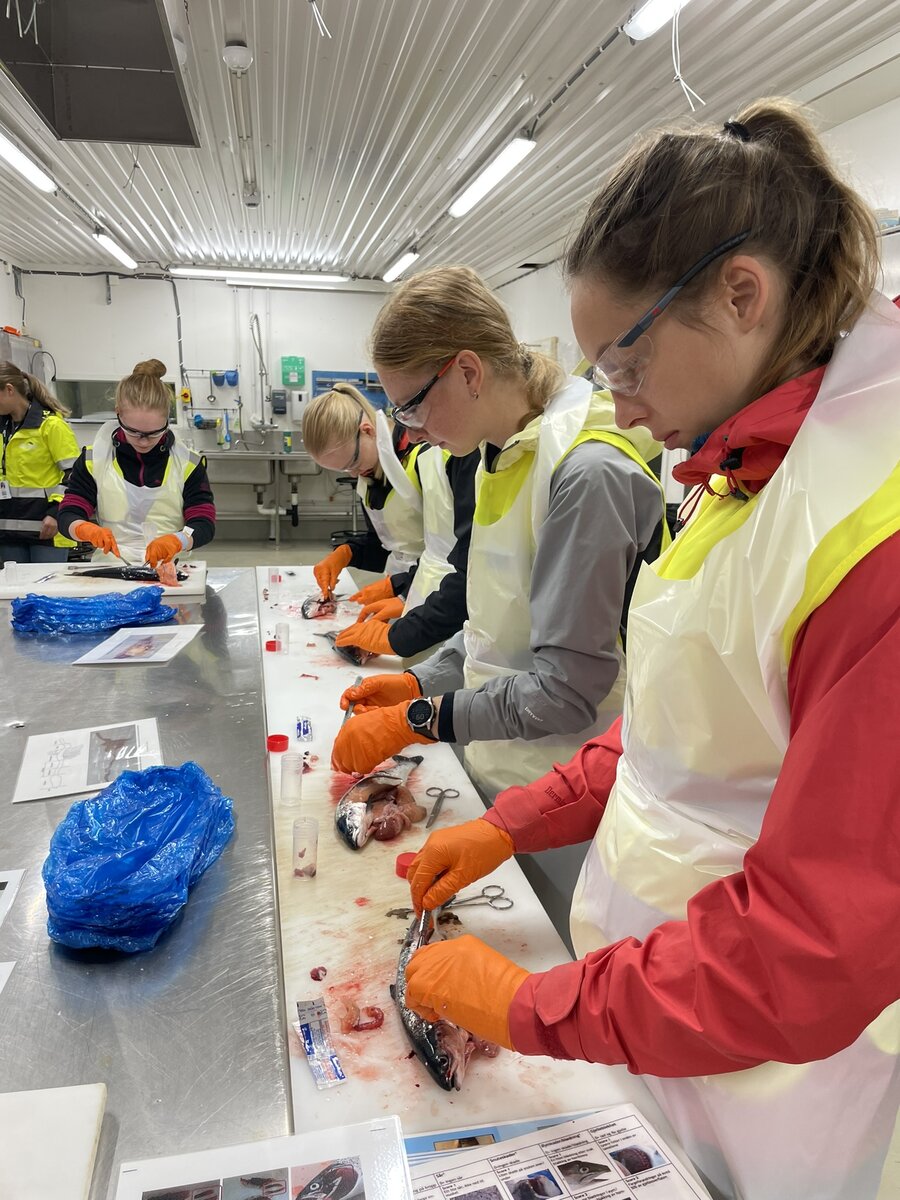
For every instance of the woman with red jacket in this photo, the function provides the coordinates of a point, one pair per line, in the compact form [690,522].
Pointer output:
[736,916]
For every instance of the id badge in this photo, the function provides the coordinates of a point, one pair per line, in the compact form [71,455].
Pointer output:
[5,490]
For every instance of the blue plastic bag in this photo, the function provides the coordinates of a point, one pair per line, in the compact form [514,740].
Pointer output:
[121,864]
[52,615]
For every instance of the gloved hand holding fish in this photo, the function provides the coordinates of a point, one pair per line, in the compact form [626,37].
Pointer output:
[373,636]
[351,654]
[379,806]
[443,1047]
[465,982]
[370,737]
[382,610]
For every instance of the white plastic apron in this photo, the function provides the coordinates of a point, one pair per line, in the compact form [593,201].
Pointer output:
[705,731]
[398,523]
[498,629]
[437,519]
[136,515]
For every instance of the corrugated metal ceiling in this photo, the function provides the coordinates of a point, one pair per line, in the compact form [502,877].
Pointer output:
[362,141]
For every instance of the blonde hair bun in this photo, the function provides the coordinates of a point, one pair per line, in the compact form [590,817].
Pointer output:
[152,367]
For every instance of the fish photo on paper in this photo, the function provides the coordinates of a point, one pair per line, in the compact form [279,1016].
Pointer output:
[111,752]
[340,1179]
[631,1160]
[538,1184]
[257,1185]
[210,1190]
[582,1172]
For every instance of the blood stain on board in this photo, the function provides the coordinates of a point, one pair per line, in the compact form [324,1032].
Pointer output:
[362,901]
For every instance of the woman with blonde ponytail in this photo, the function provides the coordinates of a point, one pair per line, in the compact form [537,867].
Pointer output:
[417,504]
[39,450]
[565,506]
[138,494]
[736,915]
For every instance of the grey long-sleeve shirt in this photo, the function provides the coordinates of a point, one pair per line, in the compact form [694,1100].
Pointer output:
[604,511]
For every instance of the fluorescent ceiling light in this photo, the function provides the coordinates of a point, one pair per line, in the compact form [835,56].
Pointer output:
[114,249]
[509,157]
[649,17]
[26,166]
[241,281]
[234,275]
[395,270]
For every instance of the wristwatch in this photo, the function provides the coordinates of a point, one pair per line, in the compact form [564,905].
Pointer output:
[420,715]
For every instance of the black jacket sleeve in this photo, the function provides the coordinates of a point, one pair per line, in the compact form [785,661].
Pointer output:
[198,505]
[368,552]
[444,612]
[80,501]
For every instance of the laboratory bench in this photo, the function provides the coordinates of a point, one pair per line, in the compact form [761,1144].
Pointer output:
[194,1038]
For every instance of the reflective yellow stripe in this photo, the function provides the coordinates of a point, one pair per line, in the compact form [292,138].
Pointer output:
[841,549]
[720,515]
[497,492]
[409,465]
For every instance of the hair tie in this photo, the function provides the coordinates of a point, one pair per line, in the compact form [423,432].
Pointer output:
[736,129]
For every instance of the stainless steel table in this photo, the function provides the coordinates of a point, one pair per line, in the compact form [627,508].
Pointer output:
[188,1037]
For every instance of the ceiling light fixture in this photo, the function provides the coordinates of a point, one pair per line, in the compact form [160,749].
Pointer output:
[647,18]
[235,275]
[395,270]
[26,166]
[114,249]
[496,170]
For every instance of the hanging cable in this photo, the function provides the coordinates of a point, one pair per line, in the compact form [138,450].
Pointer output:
[689,93]
[136,166]
[320,20]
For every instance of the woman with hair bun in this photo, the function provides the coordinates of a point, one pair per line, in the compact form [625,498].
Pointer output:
[736,915]
[39,450]
[138,493]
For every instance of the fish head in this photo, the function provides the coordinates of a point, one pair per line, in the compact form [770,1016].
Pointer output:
[454,1049]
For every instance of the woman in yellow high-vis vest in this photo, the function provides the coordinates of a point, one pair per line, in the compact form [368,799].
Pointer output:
[39,451]
[736,915]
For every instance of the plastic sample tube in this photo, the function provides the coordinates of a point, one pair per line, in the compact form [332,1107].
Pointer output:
[305,847]
[283,637]
[291,777]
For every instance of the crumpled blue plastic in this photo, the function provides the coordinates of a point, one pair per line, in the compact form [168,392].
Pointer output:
[53,615]
[121,864]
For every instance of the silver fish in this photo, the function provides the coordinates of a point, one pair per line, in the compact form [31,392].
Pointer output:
[352,654]
[378,805]
[582,1171]
[318,606]
[340,1180]
[442,1047]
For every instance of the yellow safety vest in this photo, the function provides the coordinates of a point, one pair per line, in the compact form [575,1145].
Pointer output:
[511,505]
[33,463]
[711,630]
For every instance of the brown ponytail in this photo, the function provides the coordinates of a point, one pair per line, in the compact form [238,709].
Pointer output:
[144,388]
[679,193]
[433,315]
[30,387]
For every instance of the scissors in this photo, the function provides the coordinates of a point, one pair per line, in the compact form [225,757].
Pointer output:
[440,795]
[492,895]
[349,713]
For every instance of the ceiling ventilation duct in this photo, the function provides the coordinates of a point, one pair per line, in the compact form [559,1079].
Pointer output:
[100,70]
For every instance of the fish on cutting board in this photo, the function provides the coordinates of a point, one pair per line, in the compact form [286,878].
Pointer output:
[314,607]
[379,805]
[444,1049]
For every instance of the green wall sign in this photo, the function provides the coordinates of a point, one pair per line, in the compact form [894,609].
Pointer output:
[293,372]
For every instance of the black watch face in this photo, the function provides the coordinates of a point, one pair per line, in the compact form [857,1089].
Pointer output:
[419,712]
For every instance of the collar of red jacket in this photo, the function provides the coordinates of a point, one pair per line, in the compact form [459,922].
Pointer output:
[749,448]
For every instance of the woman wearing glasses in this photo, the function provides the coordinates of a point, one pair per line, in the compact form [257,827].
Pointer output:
[417,503]
[565,505]
[138,493]
[737,911]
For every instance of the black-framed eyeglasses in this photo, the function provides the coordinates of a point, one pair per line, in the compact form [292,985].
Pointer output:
[623,364]
[355,459]
[405,414]
[143,434]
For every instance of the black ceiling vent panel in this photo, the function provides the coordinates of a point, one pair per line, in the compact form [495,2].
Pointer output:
[100,71]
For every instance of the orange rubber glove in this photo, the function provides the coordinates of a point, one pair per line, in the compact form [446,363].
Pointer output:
[163,549]
[370,635]
[381,589]
[330,567]
[381,691]
[97,535]
[459,854]
[366,740]
[466,982]
[383,610]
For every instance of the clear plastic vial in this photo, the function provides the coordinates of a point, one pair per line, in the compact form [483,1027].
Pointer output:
[283,637]
[305,848]
[291,777]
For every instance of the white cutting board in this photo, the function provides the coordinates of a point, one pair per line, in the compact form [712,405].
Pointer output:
[49,1141]
[18,579]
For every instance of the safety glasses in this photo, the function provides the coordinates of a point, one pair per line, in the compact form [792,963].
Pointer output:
[355,459]
[144,435]
[623,364]
[408,414]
